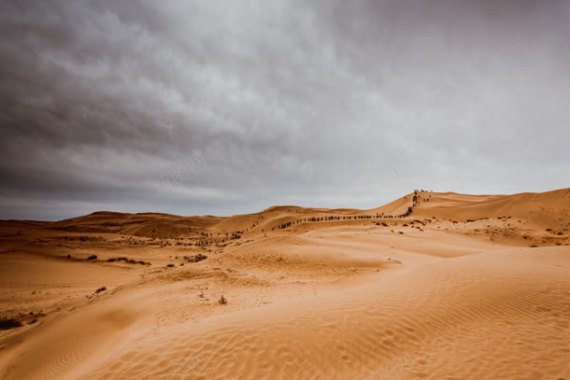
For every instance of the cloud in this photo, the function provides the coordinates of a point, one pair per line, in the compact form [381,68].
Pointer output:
[335,104]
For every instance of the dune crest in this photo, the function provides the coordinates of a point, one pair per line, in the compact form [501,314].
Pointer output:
[430,286]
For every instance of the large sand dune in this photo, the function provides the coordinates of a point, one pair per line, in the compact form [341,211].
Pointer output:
[465,287]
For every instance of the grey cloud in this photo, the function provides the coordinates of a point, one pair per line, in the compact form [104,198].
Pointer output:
[324,103]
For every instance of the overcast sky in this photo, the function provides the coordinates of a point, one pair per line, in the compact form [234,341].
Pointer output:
[225,107]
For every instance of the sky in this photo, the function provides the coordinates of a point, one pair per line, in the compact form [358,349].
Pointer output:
[228,107]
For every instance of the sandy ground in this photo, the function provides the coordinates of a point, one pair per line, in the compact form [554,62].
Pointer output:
[466,287]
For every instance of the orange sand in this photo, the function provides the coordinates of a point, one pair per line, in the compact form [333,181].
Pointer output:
[466,287]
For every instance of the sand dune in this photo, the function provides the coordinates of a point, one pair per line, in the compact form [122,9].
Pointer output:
[423,323]
[466,287]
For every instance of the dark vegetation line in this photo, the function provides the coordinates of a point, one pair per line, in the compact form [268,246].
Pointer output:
[415,201]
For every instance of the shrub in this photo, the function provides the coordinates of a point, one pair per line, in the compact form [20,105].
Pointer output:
[127,260]
[113,259]
[195,258]
[9,323]
[92,257]
[101,289]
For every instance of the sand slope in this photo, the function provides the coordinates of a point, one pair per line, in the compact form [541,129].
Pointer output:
[436,322]
[467,287]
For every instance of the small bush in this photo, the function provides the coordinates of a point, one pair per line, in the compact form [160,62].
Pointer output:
[195,258]
[170,266]
[92,257]
[9,323]
[101,289]
[127,260]
[113,259]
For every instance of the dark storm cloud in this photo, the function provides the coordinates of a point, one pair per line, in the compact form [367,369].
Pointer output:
[314,103]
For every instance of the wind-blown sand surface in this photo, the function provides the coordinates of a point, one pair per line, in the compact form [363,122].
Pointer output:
[466,287]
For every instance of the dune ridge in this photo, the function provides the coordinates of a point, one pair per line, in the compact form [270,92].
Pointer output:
[463,287]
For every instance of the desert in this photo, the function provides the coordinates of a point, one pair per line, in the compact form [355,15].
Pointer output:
[460,287]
